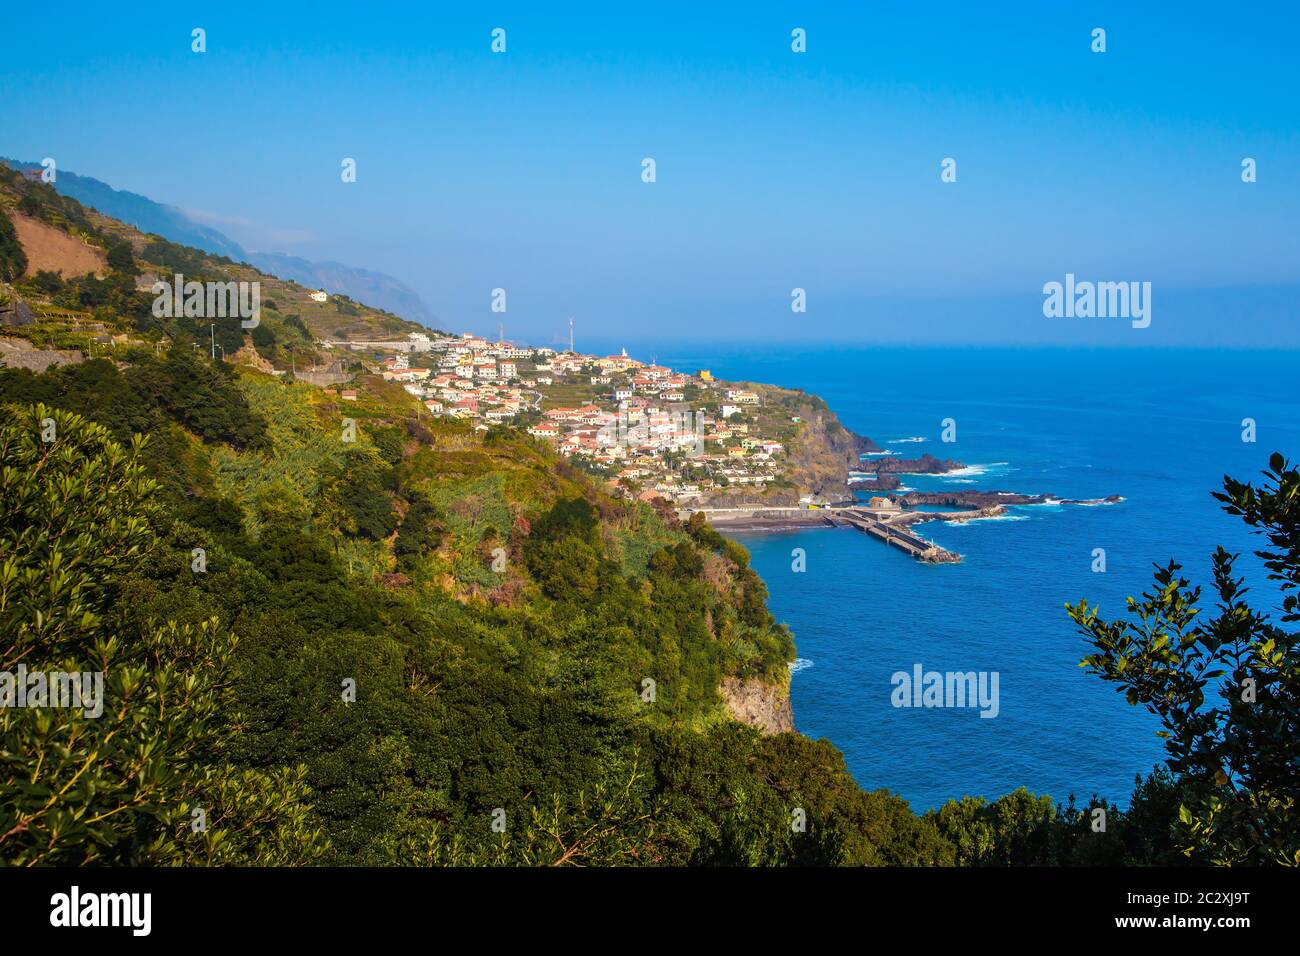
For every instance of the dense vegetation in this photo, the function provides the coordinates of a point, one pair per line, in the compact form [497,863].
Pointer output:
[482,686]
[13,261]
[126,786]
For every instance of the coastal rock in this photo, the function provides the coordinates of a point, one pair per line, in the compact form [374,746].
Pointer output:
[878,483]
[927,464]
[13,310]
[953,517]
[821,451]
[758,703]
[987,499]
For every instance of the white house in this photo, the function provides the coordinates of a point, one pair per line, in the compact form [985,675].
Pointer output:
[319,296]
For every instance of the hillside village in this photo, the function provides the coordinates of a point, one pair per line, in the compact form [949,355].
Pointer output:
[656,432]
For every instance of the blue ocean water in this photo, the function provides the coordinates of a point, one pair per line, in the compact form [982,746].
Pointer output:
[1159,427]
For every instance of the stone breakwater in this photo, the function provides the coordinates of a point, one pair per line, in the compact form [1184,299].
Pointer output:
[894,532]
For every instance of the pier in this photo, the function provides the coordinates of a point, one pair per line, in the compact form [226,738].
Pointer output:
[898,536]
[868,521]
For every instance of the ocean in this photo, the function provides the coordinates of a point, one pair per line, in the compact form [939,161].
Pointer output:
[1159,427]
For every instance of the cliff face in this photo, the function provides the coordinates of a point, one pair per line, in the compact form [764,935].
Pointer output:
[820,450]
[762,705]
[825,454]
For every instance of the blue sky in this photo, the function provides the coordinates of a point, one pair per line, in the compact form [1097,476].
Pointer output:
[775,170]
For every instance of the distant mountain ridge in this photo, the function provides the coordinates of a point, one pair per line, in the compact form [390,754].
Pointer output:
[140,211]
[373,288]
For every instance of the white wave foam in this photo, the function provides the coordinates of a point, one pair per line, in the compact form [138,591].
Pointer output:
[1006,517]
[906,441]
[976,471]
[800,664]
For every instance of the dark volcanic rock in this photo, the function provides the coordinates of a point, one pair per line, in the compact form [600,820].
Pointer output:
[847,447]
[925,465]
[878,483]
[14,311]
[984,499]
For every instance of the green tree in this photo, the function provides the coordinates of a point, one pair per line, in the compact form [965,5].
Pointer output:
[121,258]
[422,530]
[125,785]
[201,395]
[610,824]
[264,338]
[1015,830]
[13,260]
[358,487]
[1226,688]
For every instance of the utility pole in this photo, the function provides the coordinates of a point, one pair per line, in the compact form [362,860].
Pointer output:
[212,330]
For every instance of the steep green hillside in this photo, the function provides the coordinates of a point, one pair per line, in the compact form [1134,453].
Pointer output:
[114,309]
[374,288]
[498,614]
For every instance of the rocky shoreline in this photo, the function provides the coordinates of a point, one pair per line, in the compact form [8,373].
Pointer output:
[833,464]
[966,505]
[890,465]
[986,499]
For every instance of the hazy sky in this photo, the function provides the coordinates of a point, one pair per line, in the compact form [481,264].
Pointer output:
[818,170]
